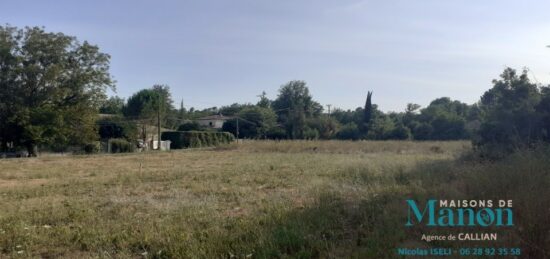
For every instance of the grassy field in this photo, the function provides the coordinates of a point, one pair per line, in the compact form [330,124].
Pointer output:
[257,199]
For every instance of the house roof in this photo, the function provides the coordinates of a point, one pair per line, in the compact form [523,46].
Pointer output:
[106,115]
[215,117]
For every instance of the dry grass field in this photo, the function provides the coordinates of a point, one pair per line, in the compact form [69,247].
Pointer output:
[256,199]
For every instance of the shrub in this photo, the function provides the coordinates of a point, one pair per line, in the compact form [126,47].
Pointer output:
[121,146]
[276,133]
[311,134]
[325,126]
[190,139]
[400,132]
[117,127]
[91,148]
[423,131]
[349,131]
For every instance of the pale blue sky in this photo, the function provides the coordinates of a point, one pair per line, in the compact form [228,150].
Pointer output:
[214,53]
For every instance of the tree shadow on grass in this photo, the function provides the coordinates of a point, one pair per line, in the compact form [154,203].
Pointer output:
[374,227]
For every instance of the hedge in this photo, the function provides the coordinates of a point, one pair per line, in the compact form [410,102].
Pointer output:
[190,139]
[121,146]
[91,148]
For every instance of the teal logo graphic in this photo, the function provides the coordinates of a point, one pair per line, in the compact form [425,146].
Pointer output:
[433,215]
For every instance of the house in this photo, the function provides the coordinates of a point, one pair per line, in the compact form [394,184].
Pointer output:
[213,121]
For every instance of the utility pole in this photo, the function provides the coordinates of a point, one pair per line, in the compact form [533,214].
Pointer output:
[237,129]
[158,121]
[329,105]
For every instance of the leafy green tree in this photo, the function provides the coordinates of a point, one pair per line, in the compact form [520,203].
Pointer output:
[422,131]
[51,87]
[444,105]
[264,102]
[510,118]
[293,106]
[473,120]
[233,109]
[347,116]
[146,105]
[543,109]
[310,133]
[276,133]
[113,105]
[410,117]
[381,127]
[448,126]
[349,131]
[142,105]
[325,126]
[412,108]
[446,118]
[399,132]
[117,127]
[147,102]
[195,114]
[254,122]
[231,127]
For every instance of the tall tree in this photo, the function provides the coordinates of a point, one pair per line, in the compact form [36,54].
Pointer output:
[367,113]
[293,105]
[51,87]
[117,127]
[264,102]
[443,119]
[182,109]
[147,104]
[511,115]
[233,109]
[113,105]
[543,108]
[254,122]
[412,108]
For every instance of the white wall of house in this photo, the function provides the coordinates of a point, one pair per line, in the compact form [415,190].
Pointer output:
[216,124]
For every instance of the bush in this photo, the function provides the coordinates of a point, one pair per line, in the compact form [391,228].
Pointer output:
[121,146]
[190,139]
[311,134]
[254,122]
[91,148]
[423,131]
[325,126]
[117,127]
[400,132]
[349,131]
[276,133]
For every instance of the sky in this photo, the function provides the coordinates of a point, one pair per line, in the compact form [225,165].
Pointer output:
[215,53]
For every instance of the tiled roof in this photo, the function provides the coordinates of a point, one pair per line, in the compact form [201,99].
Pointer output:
[215,117]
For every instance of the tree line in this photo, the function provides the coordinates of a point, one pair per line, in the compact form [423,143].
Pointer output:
[294,114]
[53,88]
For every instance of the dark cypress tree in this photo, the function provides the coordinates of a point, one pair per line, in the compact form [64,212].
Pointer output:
[182,111]
[367,113]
